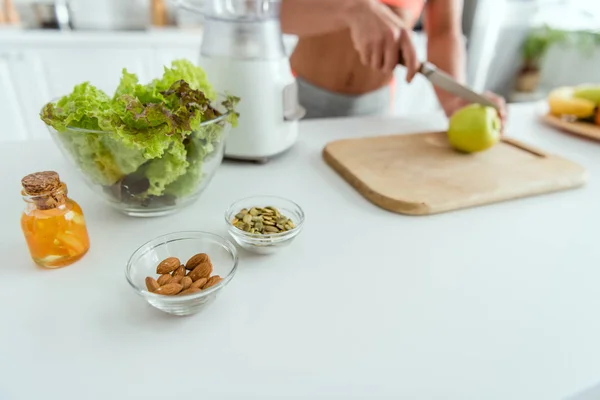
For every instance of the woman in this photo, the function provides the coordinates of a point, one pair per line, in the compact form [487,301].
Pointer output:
[348,49]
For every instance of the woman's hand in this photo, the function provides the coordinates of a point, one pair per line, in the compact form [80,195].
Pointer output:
[456,103]
[380,36]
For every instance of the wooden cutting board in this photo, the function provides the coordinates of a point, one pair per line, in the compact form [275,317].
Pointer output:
[421,174]
[585,129]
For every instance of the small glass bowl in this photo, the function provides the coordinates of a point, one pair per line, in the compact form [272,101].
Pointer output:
[182,245]
[265,243]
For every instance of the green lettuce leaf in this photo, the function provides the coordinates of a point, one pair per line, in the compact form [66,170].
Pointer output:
[150,130]
[203,142]
[165,170]
[91,155]
[129,85]
[87,107]
[183,70]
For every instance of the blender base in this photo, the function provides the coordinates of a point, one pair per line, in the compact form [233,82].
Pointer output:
[246,160]
[255,160]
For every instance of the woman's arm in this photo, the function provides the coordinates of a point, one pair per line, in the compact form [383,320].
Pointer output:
[446,49]
[445,43]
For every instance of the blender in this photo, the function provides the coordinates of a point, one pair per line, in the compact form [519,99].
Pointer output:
[243,54]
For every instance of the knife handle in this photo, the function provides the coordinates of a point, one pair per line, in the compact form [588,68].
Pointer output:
[401,59]
[425,68]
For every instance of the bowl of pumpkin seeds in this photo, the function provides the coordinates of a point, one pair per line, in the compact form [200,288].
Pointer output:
[264,224]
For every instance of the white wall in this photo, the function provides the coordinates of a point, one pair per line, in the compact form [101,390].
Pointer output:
[562,65]
[568,66]
[514,25]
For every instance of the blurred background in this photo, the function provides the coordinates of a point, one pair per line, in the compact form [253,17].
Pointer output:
[518,48]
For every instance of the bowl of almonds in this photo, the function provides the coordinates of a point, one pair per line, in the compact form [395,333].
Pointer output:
[181,273]
[264,224]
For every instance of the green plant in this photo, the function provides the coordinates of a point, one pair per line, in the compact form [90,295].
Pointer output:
[537,44]
[585,41]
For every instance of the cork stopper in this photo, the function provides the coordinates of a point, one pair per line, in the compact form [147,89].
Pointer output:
[40,183]
[45,189]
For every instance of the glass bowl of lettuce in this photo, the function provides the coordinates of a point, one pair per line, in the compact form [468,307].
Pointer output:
[150,149]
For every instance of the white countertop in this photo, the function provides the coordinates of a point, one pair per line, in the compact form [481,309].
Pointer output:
[497,302]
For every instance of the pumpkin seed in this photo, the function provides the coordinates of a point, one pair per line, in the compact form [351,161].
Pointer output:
[262,220]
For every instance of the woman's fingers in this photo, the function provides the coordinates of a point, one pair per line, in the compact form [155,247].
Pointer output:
[411,62]
[376,58]
[391,56]
[365,55]
[500,102]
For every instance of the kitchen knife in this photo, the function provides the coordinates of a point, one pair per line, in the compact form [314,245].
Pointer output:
[446,82]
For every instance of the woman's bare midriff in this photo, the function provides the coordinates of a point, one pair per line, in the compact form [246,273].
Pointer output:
[330,62]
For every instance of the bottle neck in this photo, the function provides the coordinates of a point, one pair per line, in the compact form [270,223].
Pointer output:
[47,201]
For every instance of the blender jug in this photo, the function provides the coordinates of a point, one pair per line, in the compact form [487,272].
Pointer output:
[243,54]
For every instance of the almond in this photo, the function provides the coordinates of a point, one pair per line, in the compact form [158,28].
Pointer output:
[169,289]
[201,271]
[189,291]
[212,281]
[168,265]
[199,283]
[186,282]
[151,284]
[196,260]
[164,279]
[179,271]
[176,279]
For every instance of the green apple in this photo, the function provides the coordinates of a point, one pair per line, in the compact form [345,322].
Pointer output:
[588,92]
[474,128]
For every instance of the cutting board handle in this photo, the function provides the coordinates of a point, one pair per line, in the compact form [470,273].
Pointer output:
[525,147]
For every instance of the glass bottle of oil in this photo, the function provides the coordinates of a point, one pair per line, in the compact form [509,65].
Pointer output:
[52,223]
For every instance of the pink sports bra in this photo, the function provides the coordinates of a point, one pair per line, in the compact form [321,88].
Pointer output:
[414,6]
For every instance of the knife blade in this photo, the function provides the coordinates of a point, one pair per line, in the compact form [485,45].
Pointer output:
[446,82]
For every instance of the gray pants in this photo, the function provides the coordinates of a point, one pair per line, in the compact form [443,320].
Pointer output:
[320,103]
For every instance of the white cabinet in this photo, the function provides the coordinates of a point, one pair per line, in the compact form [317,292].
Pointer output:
[163,56]
[36,67]
[30,76]
[13,125]
[31,91]
[66,67]
[35,70]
